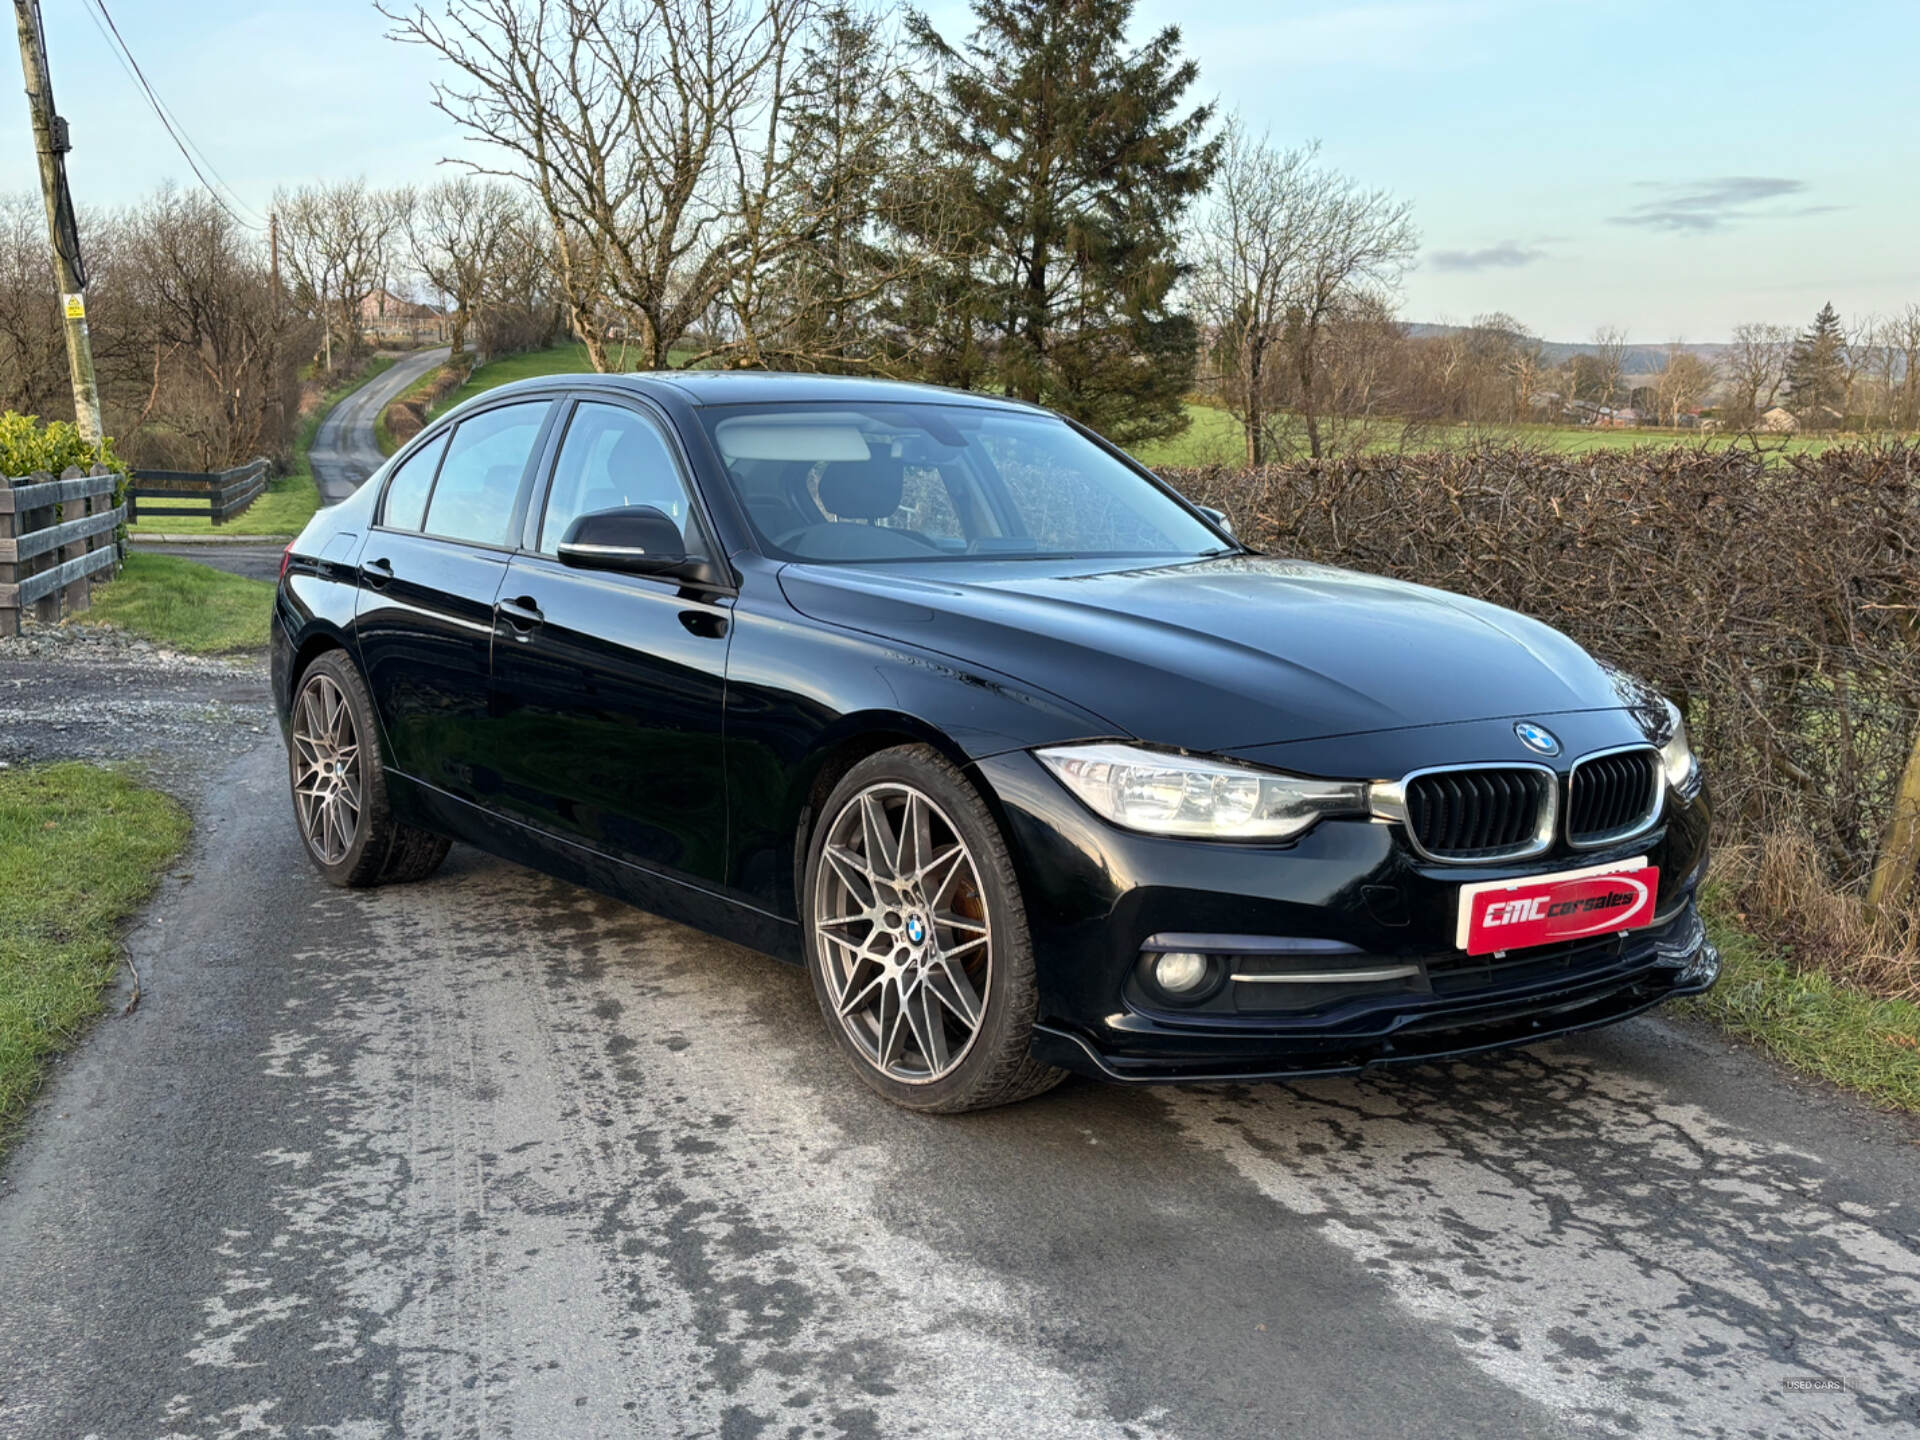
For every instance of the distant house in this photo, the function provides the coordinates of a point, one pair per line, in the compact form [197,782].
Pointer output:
[1605,417]
[387,319]
[1778,421]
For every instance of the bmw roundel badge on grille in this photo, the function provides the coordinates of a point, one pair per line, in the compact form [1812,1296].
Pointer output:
[1537,738]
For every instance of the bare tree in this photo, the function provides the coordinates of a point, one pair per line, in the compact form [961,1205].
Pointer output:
[647,128]
[1610,357]
[1755,366]
[457,232]
[1902,338]
[1288,249]
[203,353]
[33,365]
[1354,246]
[523,305]
[1684,384]
[1246,266]
[337,244]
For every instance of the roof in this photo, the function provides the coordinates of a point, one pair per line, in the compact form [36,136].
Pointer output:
[761,387]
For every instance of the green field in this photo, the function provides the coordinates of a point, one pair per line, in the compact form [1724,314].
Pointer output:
[80,847]
[1214,438]
[290,499]
[184,605]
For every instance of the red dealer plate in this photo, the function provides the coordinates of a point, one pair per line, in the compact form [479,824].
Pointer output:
[1553,909]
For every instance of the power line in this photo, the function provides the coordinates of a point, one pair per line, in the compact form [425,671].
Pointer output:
[175,131]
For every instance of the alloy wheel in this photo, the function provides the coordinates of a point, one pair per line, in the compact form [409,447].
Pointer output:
[901,927]
[326,769]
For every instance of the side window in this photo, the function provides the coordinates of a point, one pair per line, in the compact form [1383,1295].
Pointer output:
[407,490]
[480,478]
[613,457]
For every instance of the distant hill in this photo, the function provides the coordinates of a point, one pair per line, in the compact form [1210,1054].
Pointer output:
[1638,360]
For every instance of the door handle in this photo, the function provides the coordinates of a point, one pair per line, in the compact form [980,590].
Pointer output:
[377,572]
[522,614]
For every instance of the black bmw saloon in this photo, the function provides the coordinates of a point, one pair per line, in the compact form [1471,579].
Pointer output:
[1031,764]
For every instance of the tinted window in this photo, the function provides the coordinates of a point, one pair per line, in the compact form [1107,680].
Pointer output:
[613,457]
[407,490]
[480,478]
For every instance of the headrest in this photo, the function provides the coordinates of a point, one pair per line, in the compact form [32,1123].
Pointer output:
[632,456]
[862,489]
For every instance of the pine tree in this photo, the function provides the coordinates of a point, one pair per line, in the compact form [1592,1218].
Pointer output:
[846,110]
[1068,166]
[1816,369]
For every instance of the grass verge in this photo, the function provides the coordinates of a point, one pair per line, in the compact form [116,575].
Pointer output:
[290,499]
[80,848]
[382,432]
[184,605]
[1817,1025]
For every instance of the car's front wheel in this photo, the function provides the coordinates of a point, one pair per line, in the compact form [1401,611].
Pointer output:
[340,784]
[917,939]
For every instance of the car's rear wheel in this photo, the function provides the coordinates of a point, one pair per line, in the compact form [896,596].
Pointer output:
[917,939]
[339,784]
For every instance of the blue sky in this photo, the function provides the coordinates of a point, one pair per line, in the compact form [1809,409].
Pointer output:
[1674,168]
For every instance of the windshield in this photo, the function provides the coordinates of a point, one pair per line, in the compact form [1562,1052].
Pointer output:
[851,483]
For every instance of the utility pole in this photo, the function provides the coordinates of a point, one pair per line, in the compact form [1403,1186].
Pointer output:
[51,143]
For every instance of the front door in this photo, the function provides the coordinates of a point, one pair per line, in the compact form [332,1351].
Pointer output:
[430,573]
[611,688]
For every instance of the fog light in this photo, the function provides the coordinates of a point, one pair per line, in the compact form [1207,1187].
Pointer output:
[1180,972]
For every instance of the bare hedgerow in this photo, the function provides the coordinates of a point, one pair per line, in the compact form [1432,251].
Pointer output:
[1775,598]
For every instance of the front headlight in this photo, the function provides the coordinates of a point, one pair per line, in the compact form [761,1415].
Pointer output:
[1677,758]
[1167,794]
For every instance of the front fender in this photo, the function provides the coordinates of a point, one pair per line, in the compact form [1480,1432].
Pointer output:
[803,694]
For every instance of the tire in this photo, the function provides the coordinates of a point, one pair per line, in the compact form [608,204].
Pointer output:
[338,783]
[921,962]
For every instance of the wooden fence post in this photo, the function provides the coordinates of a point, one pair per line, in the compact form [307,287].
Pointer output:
[74,598]
[9,528]
[47,608]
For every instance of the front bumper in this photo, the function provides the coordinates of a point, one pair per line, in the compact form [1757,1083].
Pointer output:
[1584,994]
[1349,895]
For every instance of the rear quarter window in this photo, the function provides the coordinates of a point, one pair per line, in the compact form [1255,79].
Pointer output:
[411,483]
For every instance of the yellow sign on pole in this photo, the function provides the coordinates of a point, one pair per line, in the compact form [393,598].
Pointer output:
[76,306]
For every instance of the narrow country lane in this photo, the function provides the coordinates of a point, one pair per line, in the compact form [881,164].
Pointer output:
[345,451]
[490,1155]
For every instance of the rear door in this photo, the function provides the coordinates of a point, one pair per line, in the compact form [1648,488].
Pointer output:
[612,687]
[430,572]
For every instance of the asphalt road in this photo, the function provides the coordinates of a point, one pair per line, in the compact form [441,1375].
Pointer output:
[256,562]
[344,450]
[490,1156]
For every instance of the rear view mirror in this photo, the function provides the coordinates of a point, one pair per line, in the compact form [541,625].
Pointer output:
[634,540]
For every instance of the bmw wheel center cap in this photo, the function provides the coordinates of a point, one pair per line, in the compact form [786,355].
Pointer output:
[916,929]
[1537,738]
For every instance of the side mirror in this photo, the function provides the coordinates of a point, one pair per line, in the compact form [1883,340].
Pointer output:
[1219,517]
[634,540]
